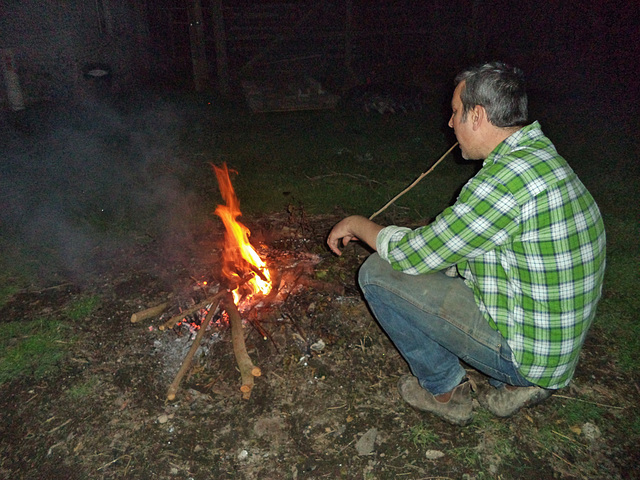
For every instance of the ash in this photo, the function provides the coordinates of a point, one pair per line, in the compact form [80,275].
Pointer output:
[171,348]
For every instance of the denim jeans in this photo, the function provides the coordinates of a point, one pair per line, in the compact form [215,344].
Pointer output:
[434,322]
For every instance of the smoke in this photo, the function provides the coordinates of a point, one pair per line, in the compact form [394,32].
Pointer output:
[79,183]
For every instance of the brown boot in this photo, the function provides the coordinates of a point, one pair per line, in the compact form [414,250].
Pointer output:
[505,402]
[457,410]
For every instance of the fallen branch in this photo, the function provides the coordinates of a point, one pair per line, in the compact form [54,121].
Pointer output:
[186,364]
[414,183]
[350,175]
[199,306]
[247,369]
[592,403]
[149,312]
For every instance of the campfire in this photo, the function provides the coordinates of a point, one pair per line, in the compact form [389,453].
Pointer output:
[248,284]
[242,264]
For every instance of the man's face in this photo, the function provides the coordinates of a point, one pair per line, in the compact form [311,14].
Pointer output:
[463,128]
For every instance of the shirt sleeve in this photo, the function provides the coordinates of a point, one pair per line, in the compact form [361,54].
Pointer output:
[484,217]
[385,236]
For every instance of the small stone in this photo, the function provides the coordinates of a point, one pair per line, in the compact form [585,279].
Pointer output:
[242,455]
[433,454]
[164,418]
[366,444]
[591,432]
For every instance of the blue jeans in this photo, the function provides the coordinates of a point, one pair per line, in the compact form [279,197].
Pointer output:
[434,322]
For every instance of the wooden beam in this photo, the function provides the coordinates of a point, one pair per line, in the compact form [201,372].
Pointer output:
[348,38]
[222,60]
[198,52]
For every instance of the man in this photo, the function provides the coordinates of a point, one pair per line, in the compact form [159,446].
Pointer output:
[528,242]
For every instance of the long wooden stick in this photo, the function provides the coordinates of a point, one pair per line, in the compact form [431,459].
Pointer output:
[247,369]
[186,364]
[413,184]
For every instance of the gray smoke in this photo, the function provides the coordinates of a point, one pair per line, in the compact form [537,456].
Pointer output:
[78,181]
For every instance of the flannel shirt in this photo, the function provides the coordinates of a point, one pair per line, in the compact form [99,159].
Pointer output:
[529,240]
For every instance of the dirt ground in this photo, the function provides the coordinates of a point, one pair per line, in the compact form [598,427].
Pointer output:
[326,405]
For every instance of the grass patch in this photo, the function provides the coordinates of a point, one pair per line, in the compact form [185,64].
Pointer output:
[33,348]
[467,455]
[7,290]
[617,311]
[83,390]
[81,308]
[577,413]
[422,435]
[563,443]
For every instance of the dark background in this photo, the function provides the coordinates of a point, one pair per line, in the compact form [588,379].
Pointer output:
[88,153]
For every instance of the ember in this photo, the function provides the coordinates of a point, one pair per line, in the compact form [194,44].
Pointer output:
[242,264]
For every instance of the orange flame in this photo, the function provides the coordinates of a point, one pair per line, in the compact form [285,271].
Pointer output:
[240,258]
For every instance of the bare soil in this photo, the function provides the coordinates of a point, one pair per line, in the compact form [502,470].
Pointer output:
[326,405]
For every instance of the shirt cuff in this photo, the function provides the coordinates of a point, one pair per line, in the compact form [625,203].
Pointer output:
[387,234]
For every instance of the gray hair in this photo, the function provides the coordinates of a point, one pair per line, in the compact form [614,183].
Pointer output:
[497,87]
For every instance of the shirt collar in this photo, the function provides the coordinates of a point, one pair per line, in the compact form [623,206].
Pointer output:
[520,138]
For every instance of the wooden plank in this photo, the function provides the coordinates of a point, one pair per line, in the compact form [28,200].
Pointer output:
[198,53]
[222,60]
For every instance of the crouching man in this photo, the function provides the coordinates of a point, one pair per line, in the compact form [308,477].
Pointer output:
[528,243]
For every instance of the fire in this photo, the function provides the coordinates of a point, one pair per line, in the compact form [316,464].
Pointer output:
[240,258]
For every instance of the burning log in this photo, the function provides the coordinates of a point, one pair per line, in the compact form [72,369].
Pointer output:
[149,312]
[247,369]
[186,364]
[199,306]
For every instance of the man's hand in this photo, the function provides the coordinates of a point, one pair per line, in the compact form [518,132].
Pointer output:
[353,228]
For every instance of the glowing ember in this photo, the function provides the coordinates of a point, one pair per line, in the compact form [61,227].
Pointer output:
[241,261]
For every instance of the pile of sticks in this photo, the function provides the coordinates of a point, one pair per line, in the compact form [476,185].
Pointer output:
[220,301]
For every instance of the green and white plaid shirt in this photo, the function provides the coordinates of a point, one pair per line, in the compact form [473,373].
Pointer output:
[529,240]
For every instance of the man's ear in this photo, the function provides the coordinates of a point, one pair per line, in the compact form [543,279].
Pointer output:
[478,116]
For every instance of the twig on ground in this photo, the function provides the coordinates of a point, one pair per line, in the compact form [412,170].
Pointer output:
[345,447]
[295,325]
[572,465]
[590,402]
[557,456]
[569,439]
[350,175]
[263,332]
[115,460]
[59,426]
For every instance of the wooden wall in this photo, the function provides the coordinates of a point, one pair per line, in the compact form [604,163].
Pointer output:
[339,41]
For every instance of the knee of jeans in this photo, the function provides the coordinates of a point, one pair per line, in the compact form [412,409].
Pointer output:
[362,276]
[368,270]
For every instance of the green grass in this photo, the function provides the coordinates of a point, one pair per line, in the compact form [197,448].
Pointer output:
[82,390]
[7,290]
[423,436]
[617,312]
[563,442]
[82,307]
[32,348]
